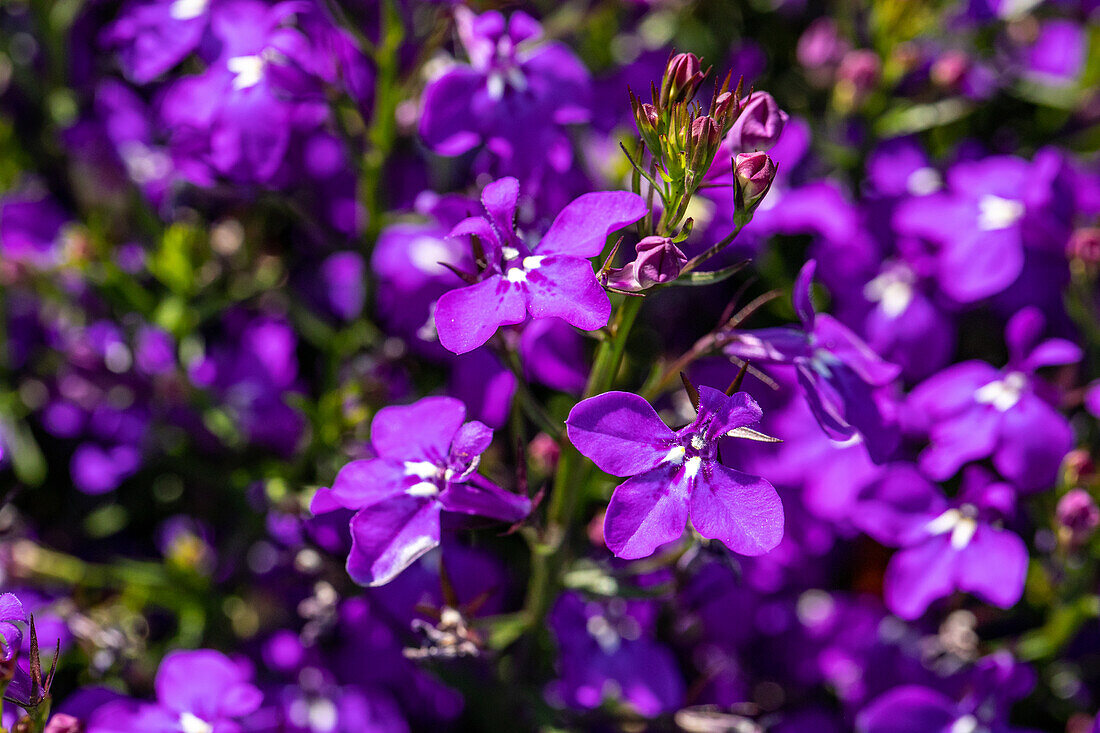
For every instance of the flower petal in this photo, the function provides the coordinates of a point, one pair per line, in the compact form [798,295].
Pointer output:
[499,199]
[993,566]
[741,510]
[726,413]
[800,295]
[465,318]
[645,512]
[620,432]
[582,227]
[389,536]
[362,483]
[483,498]
[566,287]
[918,575]
[422,431]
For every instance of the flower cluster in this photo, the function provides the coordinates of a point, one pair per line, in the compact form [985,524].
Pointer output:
[398,365]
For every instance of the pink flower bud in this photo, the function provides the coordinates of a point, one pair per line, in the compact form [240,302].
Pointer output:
[1077,515]
[1084,246]
[754,173]
[759,125]
[705,133]
[659,261]
[62,723]
[859,72]
[683,76]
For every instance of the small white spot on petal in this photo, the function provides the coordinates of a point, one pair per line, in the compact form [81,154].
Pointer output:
[249,70]
[191,723]
[965,724]
[692,466]
[963,533]
[995,212]
[533,262]
[924,181]
[515,275]
[1003,394]
[187,9]
[509,253]
[944,522]
[495,86]
[675,456]
[423,489]
[421,469]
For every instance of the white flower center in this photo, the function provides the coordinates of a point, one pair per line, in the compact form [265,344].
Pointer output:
[1003,394]
[923,181]
[187,9]
[892,290]
[190,723]
[675,455]
[961,526]
[249,70]
[427,472]
[426,253]
[995,212]
[509,253]
[515,275]
[965,724]
[692,466]
[606,636]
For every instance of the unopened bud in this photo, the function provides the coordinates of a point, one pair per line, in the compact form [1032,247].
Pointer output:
[1084,246]
[683,76]
[759,125]
[62,723]
[857,77]
[753,174]
[659,261]
[1077,516]
[705,133]
[950,69]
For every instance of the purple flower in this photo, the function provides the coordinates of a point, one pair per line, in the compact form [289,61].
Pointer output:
[610,648]
[677,473]
[513,96]
[11,636]
[837,371]
[1077,515]
[658,261]
[973,410]
[31,228]
[427,462]
[552,278]
[199,691]
[152,36]
[995,683]
[946,546]
[759,125]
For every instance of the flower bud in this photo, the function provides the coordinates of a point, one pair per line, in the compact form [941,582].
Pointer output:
[857,77]
[760,124]
[648,120]
[705,133]
[659,261]
[62,723]
[753,174]
[1084,247]
[1077,516]
[683,76]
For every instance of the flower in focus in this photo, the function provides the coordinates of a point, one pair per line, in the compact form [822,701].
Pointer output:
[658,261]
[427,463]
[759,125]
[200,691]
[677,473]
[837,371]
[553,278]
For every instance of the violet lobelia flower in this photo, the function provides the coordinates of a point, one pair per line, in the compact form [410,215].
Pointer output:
[553,278]
[200,691]
[973,410]
[427,463]
[946,545]
[837,371]
[677,473]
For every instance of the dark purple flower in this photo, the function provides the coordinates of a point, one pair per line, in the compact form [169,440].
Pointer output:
[514,96]
[344,277]
[552,278]
[608,650]
[152,36]
[946,546]
[676,473]
[199,691]
[427,463]
[30,230]
[837,371]
[973,410]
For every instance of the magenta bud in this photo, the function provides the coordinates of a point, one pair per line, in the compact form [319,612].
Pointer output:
[62,723]
[683,76]
[950,69]
[705,132]
[1084,246]
[859,72]
[659,261]
[753,173]
[759,125]
[1077,515]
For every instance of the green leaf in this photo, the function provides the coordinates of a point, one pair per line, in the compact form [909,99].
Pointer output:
[695,278]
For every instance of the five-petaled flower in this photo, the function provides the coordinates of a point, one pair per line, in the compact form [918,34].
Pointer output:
[553,278]
[674,473]
[427,462]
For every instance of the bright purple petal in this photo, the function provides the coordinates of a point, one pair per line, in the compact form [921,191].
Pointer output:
[968,436]
[1034,438]
[499,199]
[993,566]
[908,709]
[362,483]
[1053,352]
[918,575]
[567,288]
[839,340]
[770,345]
[483,498]
[388,537]
[422,431]
[620,432]
[742,511]
[582,227]
[646,512]
[197,682]
[446,124]
[800,295]
[466,318]
[725,413]
[471,441]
